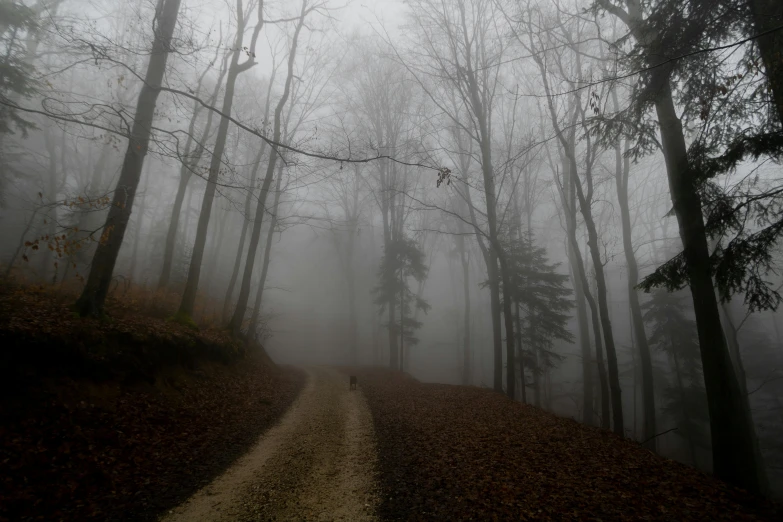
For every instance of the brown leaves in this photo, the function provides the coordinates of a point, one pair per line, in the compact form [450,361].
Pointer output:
[84,437]
[463,453]
[139,455]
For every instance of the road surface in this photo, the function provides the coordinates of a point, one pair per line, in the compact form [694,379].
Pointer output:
[316,464]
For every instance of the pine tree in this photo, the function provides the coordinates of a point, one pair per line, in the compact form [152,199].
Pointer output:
[16,20]
[540,295]
[402,260]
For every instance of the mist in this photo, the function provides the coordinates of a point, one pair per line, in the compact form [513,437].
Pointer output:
[537,197]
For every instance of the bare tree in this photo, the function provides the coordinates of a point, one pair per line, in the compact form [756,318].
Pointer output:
[235,68]
[244,291]
[94,294]
[191,156]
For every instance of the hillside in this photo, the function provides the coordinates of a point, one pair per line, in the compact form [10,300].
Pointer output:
[121,419]
[463,453]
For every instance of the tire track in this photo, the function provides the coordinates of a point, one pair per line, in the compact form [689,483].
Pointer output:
[317,464]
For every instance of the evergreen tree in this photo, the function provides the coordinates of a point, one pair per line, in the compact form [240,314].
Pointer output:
[542,302]
[673,333]
[402,259]
[16,21]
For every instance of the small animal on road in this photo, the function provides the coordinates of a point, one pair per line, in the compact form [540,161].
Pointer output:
[352,385]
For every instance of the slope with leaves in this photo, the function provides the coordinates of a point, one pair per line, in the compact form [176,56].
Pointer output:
[462,453]
[121,419]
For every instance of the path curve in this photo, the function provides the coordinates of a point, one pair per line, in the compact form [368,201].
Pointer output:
[316,464]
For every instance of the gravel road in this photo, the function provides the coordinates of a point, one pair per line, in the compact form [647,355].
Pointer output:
[317,464]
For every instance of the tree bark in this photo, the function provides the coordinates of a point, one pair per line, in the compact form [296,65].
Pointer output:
[93,296]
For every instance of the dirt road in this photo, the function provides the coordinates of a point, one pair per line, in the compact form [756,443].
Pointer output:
[317,464]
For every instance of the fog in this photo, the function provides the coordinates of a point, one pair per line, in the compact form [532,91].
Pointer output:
[497,167]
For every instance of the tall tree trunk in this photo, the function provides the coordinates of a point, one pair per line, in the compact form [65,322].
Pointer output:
[584,340]
[190,161]
[582,290]
[603,305]
[731,427]
[603,380]
[197,256]
[767,18]
[94,294]
[139,228]
[622,169]
[402,318]
[681,389]
[47,266]
[244,291]
[734,351]
[254,318]
[522,379]
[218,235]
[508,318]
[248,208]
[495,252]
[730,423]
[466,363]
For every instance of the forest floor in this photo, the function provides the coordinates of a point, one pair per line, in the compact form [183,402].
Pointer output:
[121,419]
[464,453]
[138,418]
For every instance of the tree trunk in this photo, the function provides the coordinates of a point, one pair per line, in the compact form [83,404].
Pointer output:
[94,294]
[734,351]
[244,290]
[188,164]
[197,255]
[582,288]
[402,318]
[603,305]
[731,427]
[248,209]
[599,355]
[466,370]
[681,389]
[730,424]
[768,17]
[508,317]
[218,235]
[254,318]
[47,267]
[495,252]
[648,391]
[522,379]
[139,227]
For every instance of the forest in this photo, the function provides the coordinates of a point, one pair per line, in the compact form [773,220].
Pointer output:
[577,204]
